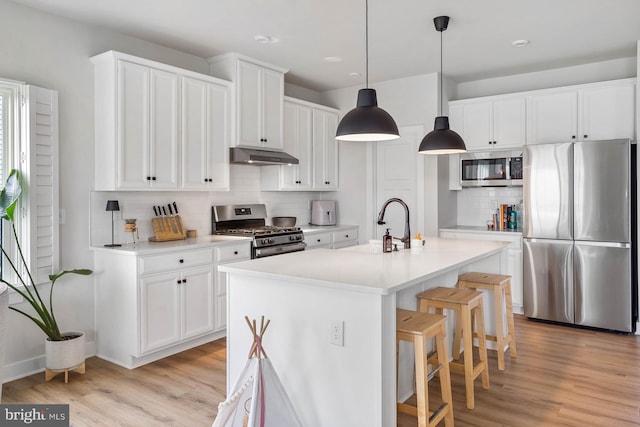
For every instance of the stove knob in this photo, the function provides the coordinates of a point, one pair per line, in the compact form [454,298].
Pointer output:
[292,238]
[270,240]
[265,241]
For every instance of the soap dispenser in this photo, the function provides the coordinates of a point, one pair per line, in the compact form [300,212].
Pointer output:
[387,242]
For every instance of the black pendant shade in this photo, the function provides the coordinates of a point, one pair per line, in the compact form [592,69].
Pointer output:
[367,122]
[442,140]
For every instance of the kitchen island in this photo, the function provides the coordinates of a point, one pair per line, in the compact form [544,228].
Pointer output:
[307,294]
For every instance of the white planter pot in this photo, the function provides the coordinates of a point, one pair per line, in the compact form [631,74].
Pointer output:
[4,309]
[65,354]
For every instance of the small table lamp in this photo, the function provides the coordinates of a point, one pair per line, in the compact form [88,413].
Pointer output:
[112,206]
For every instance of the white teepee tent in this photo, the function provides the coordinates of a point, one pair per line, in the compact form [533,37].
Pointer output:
[258,398]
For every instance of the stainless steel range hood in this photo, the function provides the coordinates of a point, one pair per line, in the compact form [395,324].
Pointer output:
[253,156]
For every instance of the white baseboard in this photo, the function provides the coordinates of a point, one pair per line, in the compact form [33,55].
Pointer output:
[24,368]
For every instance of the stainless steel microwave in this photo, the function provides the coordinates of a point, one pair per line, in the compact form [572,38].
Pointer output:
[491,169]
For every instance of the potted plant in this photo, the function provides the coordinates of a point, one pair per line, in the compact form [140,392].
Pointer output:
[63,351]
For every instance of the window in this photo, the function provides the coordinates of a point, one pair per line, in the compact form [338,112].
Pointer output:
[29,143]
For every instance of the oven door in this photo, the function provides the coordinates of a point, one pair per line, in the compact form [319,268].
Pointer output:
[266,251]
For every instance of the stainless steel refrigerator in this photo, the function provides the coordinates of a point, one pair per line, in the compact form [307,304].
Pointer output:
[579,230]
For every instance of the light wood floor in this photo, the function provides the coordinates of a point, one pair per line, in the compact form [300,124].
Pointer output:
[562,377]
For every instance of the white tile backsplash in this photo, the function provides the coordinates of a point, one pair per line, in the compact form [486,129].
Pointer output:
[194,206]
[476,205]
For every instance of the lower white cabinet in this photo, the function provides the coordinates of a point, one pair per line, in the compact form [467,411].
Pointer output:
[336,239]
[152,305]
[225,255]
[514,256]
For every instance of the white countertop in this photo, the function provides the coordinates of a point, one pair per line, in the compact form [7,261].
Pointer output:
[478,229]
[365,268]
[144,247]
[310,229]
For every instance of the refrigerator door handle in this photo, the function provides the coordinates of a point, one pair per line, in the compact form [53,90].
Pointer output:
[622,245]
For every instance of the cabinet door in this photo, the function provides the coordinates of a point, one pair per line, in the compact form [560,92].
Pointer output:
[221,300]
[607,112]
[454,172]
[163,153]
[477,124]
[552,117]
[325,150]
[198,302]
[509,118]
[298,143]
[132,106]
[249,105]
[272,105]
[205,135]
[159,311]
[515,271]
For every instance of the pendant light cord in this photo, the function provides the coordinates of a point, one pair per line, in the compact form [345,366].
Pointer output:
[366,41]
[441,76]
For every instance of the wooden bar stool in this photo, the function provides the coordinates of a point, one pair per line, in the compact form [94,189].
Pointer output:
[418,328]
[500,285]
[467,304]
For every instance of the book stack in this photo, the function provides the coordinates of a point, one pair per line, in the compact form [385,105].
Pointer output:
[505,217]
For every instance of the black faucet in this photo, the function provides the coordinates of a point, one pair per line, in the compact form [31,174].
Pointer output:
[406,239]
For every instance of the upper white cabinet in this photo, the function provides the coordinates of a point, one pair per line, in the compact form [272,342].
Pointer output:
[490,123]
[325,150]
[309,136]
[259,99]
[151,119]
[206,126]
[595,111]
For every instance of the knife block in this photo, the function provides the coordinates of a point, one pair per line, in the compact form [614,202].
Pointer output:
[168,228]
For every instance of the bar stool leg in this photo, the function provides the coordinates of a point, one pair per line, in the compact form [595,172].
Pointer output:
[457,336]
[420,352]
[482,345]
[445,375]
[510,325]
[467,336]
[500,338]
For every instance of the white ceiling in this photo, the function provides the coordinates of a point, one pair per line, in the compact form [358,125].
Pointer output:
[402,38]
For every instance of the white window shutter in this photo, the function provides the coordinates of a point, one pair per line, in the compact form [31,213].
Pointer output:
[39,166]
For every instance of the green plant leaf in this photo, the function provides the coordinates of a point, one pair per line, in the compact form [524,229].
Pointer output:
[82,271]
[10,195]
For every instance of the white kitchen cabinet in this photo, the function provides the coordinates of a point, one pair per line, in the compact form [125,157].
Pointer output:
[140,108]
[225,255]
[152,305]
[176,306]
[325,150]
[309,135]
[595,111]
[147,127]
[491,122]
[259,99]
[514,258]
[206,126]
[454,172]
[331,237]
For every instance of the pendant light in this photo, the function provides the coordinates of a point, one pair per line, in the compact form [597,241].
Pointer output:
[367,122]
[441,140]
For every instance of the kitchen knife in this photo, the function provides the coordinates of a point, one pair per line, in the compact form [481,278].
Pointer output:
[172,221]
[164,211]
[155,211]
[175,207]
[170,210]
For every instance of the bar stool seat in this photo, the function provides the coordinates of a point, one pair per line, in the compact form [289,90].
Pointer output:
[418,328]
[500,286]
[467,304]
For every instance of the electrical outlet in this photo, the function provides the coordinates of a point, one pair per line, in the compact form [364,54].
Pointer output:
[337,332]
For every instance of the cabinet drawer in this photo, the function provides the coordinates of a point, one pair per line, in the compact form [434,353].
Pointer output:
[155,263]
[233,253]
[318,239]
[345,236]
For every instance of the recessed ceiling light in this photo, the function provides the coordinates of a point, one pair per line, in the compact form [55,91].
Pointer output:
[354,75]
[333,59]
[265,39]
[520,43]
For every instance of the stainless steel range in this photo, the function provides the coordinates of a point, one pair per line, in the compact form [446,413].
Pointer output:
[250,220]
